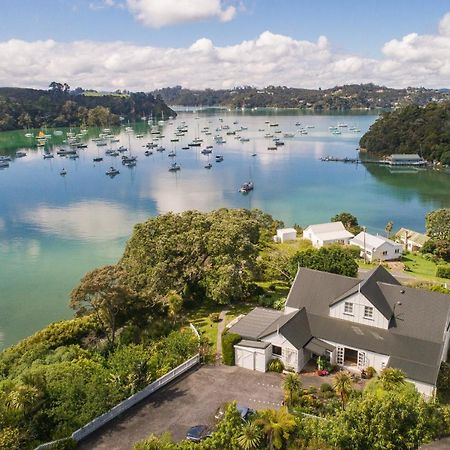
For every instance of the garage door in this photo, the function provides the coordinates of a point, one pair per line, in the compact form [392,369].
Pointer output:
[244,358]
[260,362]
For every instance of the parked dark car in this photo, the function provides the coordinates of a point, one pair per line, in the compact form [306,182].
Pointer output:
[244,411]
[198,432]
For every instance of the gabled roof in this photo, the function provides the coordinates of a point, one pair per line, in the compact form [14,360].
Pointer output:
[255,322]
[413,236]
[294,327]
[329,231]
[372,242]
[370,288]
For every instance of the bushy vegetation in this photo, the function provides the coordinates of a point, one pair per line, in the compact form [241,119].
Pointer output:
[275,365]
[60,107]
[229,340]
[412,129]
[443,271]
[57,380]
[349,221]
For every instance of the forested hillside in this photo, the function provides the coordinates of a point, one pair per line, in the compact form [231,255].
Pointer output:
[60,107]
[355,96]
[412,129]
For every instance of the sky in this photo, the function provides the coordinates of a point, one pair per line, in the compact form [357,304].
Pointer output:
[150,44]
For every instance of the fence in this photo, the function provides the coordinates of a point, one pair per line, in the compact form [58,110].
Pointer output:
[126,404]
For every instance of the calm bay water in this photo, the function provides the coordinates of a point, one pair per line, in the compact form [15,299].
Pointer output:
[53,229]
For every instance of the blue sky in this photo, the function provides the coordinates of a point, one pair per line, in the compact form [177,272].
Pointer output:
[353,29]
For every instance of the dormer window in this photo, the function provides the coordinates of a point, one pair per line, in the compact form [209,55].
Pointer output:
[368,312]
[348,308]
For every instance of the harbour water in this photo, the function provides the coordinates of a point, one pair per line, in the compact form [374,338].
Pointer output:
[54,228]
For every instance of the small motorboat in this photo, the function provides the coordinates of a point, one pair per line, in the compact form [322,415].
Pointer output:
[171,154]
[208,166]
[174,167]
[148,153]
[4,164]
[253,154]
[63,172]
[160,149]
[184,148]
[246,187]
[48,156]
[122,149]
[98,159]
[139,136]
[206,151]
[20,154]
[112,172]
[74,156]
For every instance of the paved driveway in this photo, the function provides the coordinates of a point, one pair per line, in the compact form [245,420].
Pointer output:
[191,400]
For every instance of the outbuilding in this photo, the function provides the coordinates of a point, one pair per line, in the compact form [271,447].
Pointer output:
[286,234]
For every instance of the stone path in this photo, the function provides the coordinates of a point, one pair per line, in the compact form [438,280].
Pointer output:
[220,328]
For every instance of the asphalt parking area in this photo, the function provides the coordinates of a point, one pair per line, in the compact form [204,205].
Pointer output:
[191,400]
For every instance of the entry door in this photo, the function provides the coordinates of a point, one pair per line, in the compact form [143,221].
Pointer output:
[340,356]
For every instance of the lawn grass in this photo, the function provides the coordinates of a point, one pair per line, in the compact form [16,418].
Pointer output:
[420,267]
[288,248]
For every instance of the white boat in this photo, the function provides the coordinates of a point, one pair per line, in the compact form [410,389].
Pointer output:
[57,133]
[63,172]
[48,156]
[208,166]
[29,135]
[139,136]
[244,139]
[4,164]
[20,154]
[171,154]
[148,153]
[112,171]
[174,167]
[246,187]
[219,158]
[288,135]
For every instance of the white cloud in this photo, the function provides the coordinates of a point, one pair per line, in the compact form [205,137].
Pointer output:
[414,60]
[160,13]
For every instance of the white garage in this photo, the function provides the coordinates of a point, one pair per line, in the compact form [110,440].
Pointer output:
[253,355]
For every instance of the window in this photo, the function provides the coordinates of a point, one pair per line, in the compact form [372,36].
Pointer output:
[385,252]
[276,350]
[348,308]
[397,250]
[368,252]
[368,312]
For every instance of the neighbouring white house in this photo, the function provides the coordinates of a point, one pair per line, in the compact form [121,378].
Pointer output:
[327,233]
[285,234]
[377,248]
[411,240]
[354,323]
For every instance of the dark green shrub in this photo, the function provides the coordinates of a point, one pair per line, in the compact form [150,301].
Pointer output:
[229,340]
[428,247]
[275,365]
[370,372]
[214,317]
[443,271]
[326,387]
[353,250]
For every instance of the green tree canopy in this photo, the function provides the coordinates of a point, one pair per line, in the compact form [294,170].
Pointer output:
[438,224]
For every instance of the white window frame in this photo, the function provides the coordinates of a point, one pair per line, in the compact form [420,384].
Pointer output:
[368,316]
[350,305]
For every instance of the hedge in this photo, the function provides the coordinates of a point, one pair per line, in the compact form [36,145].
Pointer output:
[443,271]
[229,340]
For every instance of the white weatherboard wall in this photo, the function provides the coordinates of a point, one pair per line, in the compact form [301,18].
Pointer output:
[424,388]
[252,358]
[289,354]
[375,360]
[359,302]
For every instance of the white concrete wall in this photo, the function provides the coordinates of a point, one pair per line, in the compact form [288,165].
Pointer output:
[359,302]
[286,235]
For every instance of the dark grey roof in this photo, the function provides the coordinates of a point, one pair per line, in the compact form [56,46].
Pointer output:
[384,342]
[369,287]
[319,347]
[312,287]
[415,370]
[294,327]
[255,322]
[253,344]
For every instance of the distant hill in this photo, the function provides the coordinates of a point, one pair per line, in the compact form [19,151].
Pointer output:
[354,96]
[412,129]
[58,107]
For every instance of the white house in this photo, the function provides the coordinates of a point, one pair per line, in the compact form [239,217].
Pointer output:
[286,234]
[355,323]
[327,233]
[377,248]
[411,240]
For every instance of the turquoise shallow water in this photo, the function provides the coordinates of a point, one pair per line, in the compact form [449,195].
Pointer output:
[53,229]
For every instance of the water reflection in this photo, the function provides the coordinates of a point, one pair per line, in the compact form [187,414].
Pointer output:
[88,220]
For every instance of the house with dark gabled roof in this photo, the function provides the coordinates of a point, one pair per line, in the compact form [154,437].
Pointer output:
[355,323]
